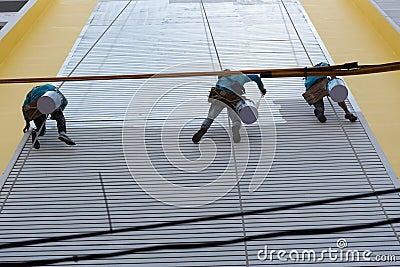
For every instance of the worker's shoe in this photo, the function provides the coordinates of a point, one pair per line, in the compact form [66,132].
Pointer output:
[35,140]
[63,137]
[236,133]
[320,115]
[350,117]
[197,136]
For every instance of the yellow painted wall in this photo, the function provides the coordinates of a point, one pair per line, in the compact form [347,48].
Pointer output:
[354,30]
[36,47]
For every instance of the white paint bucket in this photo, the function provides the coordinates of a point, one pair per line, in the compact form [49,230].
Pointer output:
[49,102]
[247,111]
[337,90]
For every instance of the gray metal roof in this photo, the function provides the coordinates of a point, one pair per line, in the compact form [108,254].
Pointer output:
[391,10]
[11,11]
[134,146]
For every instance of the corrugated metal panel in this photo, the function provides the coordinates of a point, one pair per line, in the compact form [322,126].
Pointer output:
[133,134]
[389,9]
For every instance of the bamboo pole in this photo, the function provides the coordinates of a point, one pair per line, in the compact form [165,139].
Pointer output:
[346,69]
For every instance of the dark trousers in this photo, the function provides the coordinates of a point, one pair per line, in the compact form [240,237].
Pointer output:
[58,116]
[319,105]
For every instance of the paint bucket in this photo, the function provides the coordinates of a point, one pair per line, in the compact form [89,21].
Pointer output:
[49,102]
[337,90]
[247,111]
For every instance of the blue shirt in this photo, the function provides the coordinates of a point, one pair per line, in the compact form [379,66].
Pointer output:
[311,80]
[36,92]
[236,82]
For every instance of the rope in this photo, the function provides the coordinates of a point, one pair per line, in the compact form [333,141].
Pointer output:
[212,36]
[98,40]
[298,35]
[208,41]
[232,144]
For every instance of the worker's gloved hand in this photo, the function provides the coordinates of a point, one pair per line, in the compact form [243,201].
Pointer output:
[263,91]
[26,128]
